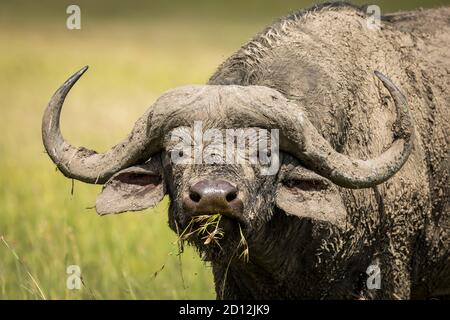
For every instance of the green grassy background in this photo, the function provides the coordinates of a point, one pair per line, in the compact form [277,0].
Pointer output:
[136,50]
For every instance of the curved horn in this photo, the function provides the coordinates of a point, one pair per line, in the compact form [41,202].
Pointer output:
[84,164]
[353,173]
[303,140]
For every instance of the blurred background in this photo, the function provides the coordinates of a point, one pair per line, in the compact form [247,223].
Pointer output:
[136,50]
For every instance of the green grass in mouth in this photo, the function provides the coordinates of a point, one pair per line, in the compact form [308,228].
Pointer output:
[207,227]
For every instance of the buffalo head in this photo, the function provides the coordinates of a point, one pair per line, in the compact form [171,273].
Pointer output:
[140,170]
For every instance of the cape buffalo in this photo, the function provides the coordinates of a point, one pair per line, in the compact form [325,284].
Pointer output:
[358,207]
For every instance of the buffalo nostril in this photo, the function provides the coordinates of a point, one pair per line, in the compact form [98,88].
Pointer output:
[231,196]
[194,196]
[209,196]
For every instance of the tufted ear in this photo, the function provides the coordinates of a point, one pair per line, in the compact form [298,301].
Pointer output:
[132,189]
[305,194]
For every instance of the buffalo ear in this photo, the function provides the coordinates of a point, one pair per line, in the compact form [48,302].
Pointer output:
[305,194]
[132,189]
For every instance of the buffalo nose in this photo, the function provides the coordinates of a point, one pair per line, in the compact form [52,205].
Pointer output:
[213,196]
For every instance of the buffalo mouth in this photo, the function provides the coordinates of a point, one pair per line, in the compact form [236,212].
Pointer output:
[216,235]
